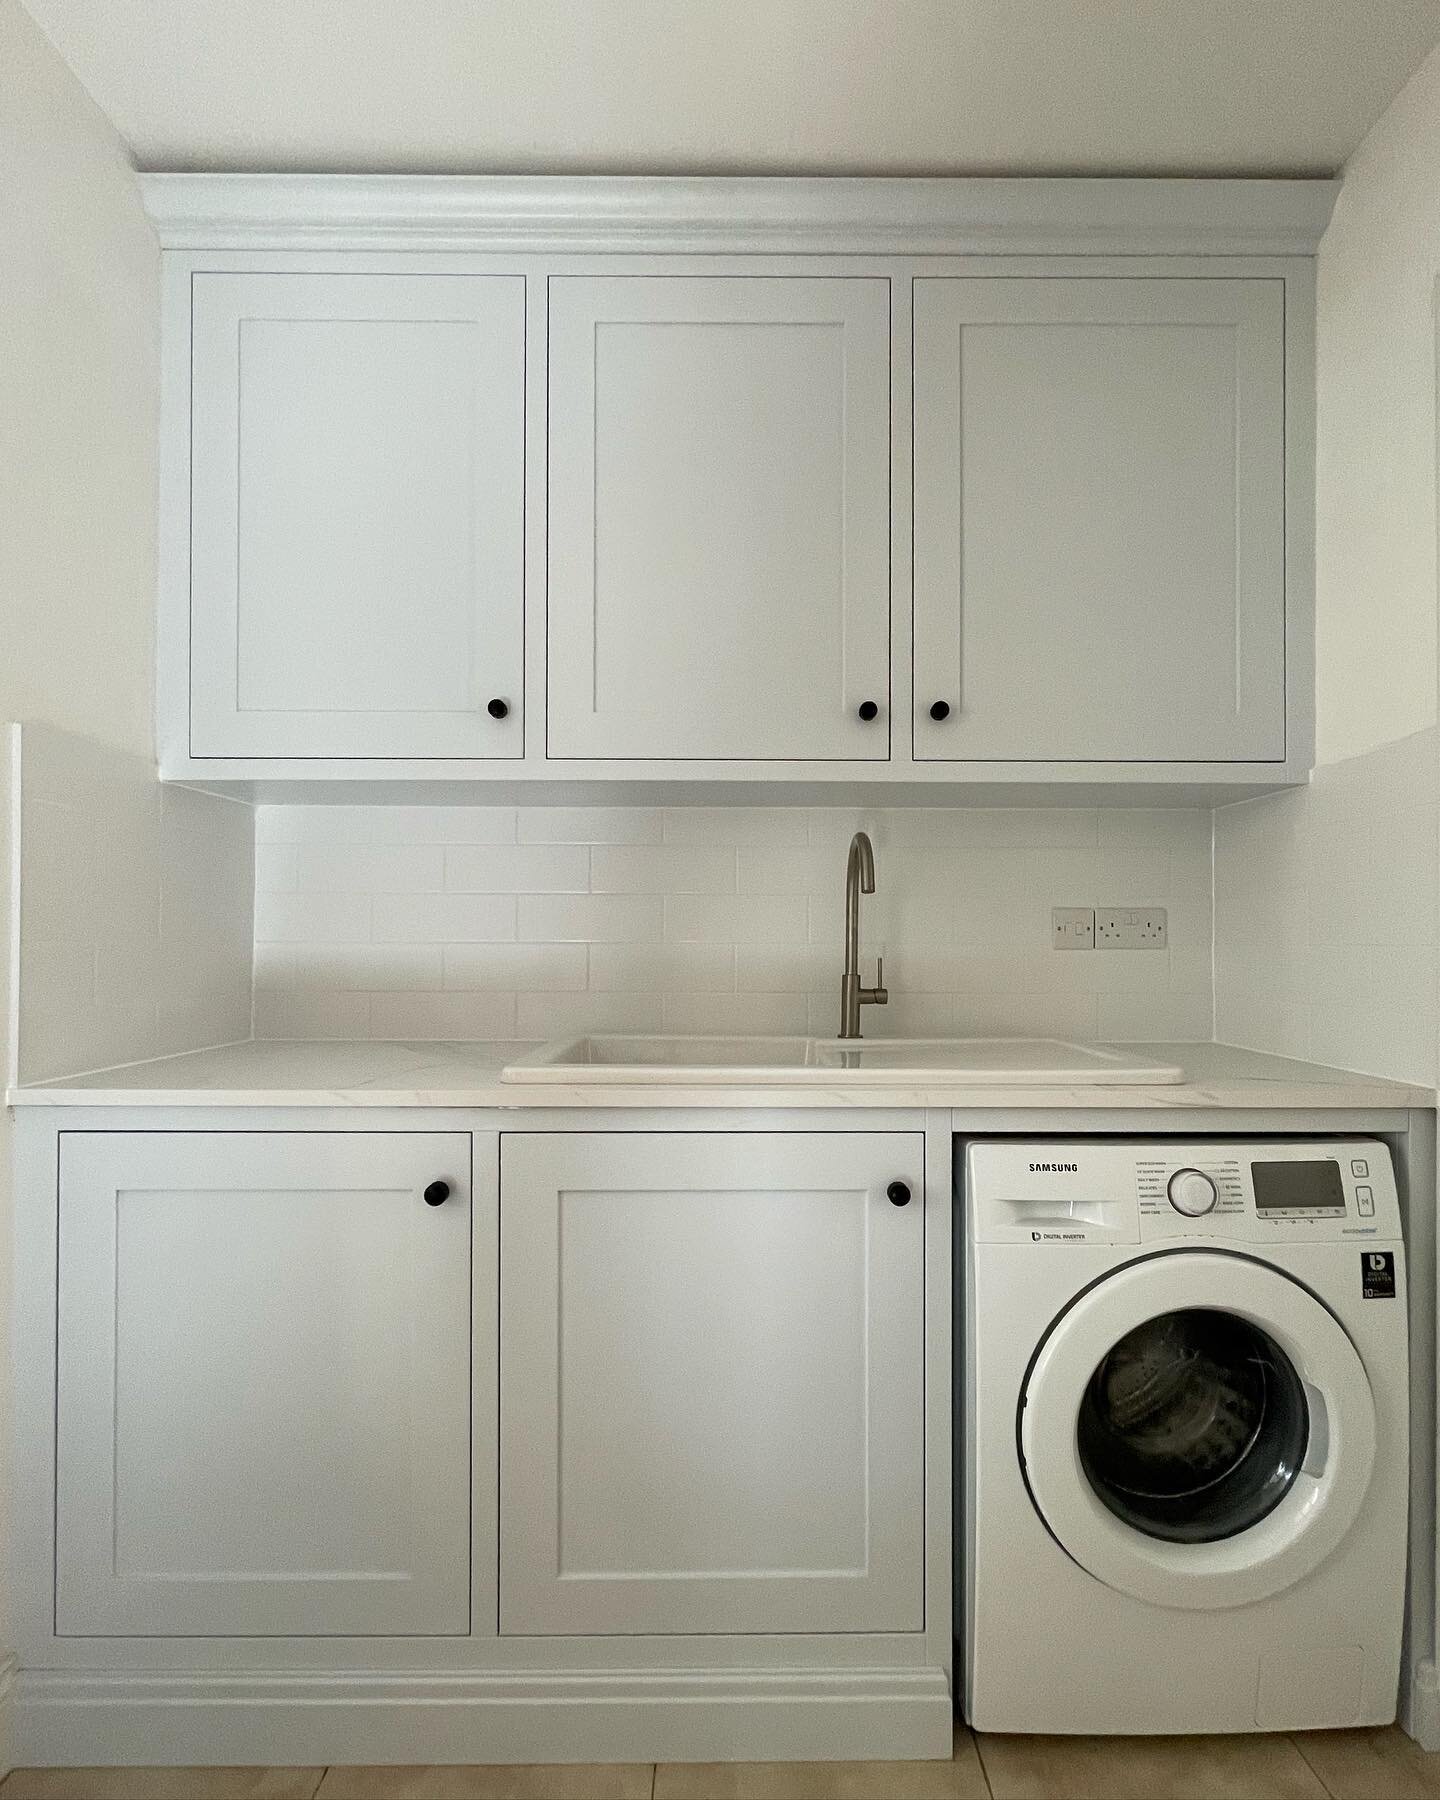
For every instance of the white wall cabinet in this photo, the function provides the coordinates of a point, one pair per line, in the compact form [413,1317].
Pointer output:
[1100,519]
[712,1383]
[865,485]
[719,518]
[356,515]
[264,1386]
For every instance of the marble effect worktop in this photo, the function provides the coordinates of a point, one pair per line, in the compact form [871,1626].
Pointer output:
[383,1074]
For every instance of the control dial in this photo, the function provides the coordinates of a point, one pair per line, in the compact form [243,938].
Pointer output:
[1192,1193]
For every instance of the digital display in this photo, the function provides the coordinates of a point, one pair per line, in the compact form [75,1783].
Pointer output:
[1298,1187]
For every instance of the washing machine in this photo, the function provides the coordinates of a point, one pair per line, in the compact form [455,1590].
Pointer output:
[1185,1440]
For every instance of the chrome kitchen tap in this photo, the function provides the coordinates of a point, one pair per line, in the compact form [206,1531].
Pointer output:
[859,879]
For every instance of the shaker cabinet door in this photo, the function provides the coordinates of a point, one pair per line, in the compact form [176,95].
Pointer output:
[719,518]
[712,1383]
[1099,487]
[357,515]
[264,1416]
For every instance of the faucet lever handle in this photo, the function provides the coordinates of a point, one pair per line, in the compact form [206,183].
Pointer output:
[879,971]
[878,995]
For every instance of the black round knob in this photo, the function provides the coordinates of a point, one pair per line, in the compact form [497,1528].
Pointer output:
[437,1193]
[498,709]
[940,710]
[898,1193]
[868,710]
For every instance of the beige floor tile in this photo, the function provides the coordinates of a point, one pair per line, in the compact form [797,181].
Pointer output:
[1371,1765]
[160,1784]
[492,1781]
[959,1779]
[1146,1768]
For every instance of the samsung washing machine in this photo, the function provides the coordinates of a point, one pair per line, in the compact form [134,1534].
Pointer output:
[1185,1445]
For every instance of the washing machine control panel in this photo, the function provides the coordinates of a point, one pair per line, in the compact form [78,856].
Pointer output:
[1192,1192]
[1096,1191]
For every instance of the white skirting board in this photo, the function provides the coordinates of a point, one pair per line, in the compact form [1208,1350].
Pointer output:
[69,1718]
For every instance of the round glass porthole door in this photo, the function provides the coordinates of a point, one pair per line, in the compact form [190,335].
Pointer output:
[1196,1429]
[1193,1427]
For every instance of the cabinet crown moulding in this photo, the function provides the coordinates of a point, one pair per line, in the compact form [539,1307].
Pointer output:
[921,216]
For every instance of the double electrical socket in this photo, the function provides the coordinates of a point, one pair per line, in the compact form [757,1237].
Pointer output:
[1108,928]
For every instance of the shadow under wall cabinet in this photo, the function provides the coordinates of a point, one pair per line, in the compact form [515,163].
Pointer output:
[841,484]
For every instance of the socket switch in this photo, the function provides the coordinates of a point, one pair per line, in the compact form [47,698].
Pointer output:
[1072,927]
[1130,928]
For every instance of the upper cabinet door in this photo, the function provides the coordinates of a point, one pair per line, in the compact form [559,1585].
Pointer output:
[1099,519]
[719,529]
[357,515]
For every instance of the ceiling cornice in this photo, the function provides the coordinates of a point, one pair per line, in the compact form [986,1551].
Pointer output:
[772,214]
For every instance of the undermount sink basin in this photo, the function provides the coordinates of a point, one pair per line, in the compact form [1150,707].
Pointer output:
[821,1062]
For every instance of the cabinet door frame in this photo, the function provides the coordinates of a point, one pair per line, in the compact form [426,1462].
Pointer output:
[579,301]
[452,1511]
[219,303]
[888,1592]
[1253,302]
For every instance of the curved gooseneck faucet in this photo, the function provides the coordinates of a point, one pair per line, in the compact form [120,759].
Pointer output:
[859,879]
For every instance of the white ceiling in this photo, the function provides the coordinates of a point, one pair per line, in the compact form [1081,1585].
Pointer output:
[742,86]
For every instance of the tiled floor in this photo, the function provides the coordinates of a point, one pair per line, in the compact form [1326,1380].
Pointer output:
[1327,1765]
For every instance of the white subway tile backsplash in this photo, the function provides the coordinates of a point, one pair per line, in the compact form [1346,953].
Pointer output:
[747,825]
[662,869]
[519,869]
[591,918]
[564,1015]
[767,870]
[509,968]
[312,918]
[590,825]
[662,968]
[735,919]
[447,1015]
[548,920]
[368,868]
[782,1015]
[443,918]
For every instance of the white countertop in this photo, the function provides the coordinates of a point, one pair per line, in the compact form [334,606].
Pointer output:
[289,1073]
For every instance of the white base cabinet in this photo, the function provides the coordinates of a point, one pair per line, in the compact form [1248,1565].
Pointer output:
[622,1438]
[263,1407]
[712,1382]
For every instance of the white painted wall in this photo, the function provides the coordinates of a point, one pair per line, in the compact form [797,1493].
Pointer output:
[1326,899]
[78,395]
[1376,463]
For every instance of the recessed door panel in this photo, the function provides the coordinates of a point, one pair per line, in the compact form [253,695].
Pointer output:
[1099,520]
[264,1384]
[357,515]
[711,1383]
[719,534]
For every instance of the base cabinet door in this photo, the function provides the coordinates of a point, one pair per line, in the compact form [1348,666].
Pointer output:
[711,1383]
[719,518]
[356,515]
[263,1422]
[1099,519]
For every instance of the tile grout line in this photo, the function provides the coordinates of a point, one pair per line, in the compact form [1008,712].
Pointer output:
[980,1758]
[1294,1739]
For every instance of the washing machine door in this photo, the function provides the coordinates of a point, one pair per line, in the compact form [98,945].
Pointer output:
[1198,1430]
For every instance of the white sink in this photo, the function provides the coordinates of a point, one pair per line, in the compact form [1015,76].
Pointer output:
[823,1062]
